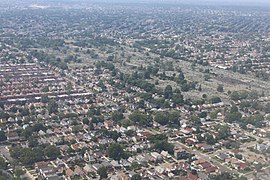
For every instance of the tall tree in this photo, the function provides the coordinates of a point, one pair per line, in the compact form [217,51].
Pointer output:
[52,152]
[52,107]
[136,177]
[102,172]
[220,88]
[3,164]
[3,137]
[168,92]
[116,151]
[117,116]
[44,98]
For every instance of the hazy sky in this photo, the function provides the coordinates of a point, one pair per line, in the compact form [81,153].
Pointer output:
[201,2]
[214,1]
[223,2]
[235,1]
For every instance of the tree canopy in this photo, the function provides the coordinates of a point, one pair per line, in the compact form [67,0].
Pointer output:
[160,143]
[52,107]
[140,118]
[102,172]
[116,151]
[167,118]
[117,116]
[168,92]
[3,164]
[52,152]
[3,137]
[136,177]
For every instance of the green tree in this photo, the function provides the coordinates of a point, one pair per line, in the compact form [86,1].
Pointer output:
[4,115]
[167,118]
[164,146]
[185,87]
[220,88]
[207,77]
[130,133]
[141,104]
[222,176]
[69,87]
[233,117]
[52,152]
[200,88]
[238,95]
[136,177]
[3,137]
[38,126]
[117,116]
[102,172]
[25,112]
[27,132]
[203,114]
[160,143]
[267,108]
[213,115]
[199,138]
[210,139]
[242,178]
[27,156]
[19,172]
[116,151]
[177,98]
[2,105]
[45,89]
[32,142]
[32,107]
[158,137]
[215,100]
[195,120]
[146,75]
[181,76]
[168,92]
[233,109]
[235,95]
[52,107]
[85,121]
[161,118]
[223,132]
[135,165]
[174,118]
[239,156]
[44,98]
[3,164]
[140,118]
[146,96]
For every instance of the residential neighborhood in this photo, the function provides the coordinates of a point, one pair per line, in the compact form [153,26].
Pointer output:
[92,91]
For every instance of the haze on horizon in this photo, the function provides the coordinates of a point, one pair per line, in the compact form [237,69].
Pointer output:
[217,2]
[199,2]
